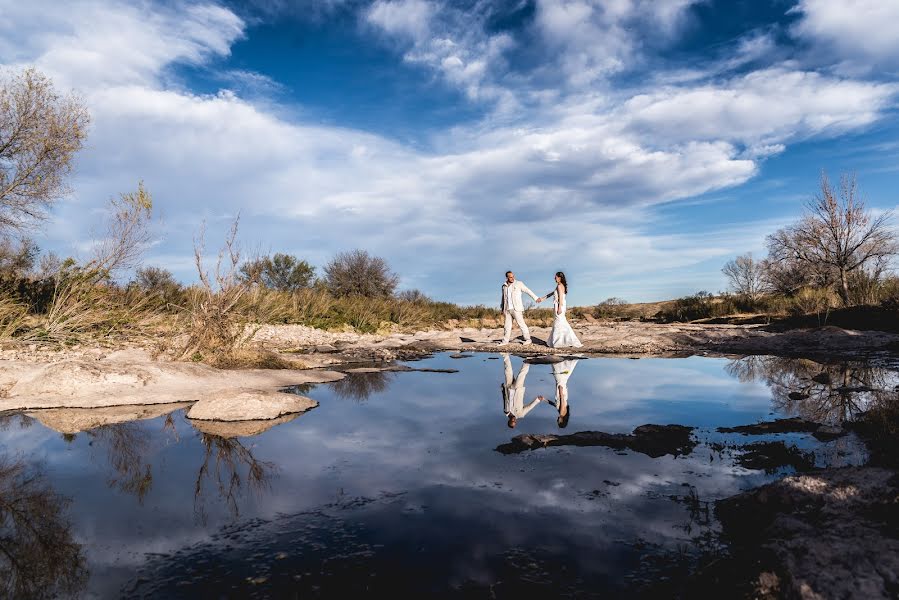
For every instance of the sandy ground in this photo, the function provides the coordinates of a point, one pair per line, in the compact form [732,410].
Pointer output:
[35,378]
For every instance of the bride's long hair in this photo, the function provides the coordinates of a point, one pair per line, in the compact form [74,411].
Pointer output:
[563,281]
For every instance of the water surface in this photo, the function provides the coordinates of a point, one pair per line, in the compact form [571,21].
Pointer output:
[393,482]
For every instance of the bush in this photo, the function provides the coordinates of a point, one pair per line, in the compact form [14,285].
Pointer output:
[814,301]
[357,273]
[281,272]
[688,308]
[611,308]
[158,283]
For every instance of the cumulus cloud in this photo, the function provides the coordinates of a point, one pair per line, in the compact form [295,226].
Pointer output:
[763,107]
[595,38]
[555,177]
[860,32]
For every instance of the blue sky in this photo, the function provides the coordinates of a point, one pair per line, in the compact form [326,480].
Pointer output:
[635,144]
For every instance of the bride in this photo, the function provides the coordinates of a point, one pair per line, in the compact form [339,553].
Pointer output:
[561,336]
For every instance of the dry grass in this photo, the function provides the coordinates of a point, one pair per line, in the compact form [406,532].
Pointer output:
[82,309]
[12,317]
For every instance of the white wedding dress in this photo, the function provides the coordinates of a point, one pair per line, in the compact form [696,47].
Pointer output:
[562,335]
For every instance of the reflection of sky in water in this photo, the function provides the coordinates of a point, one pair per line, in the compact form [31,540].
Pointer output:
[429,438]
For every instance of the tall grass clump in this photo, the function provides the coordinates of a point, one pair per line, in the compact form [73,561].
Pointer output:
[85,302]
[215,320]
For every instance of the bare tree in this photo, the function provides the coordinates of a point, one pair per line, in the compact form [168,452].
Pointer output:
[746,276]
[127,233]
[40,132]
[836,232]
[358,273]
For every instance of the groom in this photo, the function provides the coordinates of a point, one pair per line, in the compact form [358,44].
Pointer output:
[512,307]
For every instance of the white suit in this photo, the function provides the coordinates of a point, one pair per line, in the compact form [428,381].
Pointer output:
[513,307]
[513,390]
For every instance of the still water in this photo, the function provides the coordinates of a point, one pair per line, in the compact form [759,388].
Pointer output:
[393,483]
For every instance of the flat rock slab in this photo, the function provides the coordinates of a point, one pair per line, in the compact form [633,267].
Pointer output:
[250,405]
[651,440]
[99,383]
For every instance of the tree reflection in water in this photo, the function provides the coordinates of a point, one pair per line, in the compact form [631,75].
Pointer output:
[821,392]
[38,557]
[126,445]
[232,468]
[359,386]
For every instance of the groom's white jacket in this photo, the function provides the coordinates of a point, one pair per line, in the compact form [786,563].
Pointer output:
[516,290]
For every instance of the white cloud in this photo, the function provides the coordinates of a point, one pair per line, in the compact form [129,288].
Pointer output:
[564,183]
[95,43]
[764,107]
[862,32]
[596,38]
[411,18]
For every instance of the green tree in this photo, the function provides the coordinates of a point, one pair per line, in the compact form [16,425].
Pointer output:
[281,272]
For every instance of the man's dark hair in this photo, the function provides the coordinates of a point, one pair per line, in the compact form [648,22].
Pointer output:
[507,273]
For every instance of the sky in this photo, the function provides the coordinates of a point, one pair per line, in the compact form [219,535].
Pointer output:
[635,144]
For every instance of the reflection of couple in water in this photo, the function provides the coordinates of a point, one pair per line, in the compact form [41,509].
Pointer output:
[513,391]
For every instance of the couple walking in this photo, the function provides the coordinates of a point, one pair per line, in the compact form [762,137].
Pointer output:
[561,336]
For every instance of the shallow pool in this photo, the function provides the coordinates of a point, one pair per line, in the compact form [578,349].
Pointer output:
[393,483]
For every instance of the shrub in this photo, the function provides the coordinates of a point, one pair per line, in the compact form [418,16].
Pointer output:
[281,272]
[611,308]
[158,283]
[357,273]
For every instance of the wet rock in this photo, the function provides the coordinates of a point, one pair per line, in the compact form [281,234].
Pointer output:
[326,349]
[830,534]
[250,405]
[771,456]
[461,355]
[651,440]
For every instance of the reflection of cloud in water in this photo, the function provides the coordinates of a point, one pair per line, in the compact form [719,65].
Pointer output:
[822,392]
[38,555]
[431,439]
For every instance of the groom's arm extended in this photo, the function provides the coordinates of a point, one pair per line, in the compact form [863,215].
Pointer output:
[528,291]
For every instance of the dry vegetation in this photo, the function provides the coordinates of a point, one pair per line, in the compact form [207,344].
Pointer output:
[833,262]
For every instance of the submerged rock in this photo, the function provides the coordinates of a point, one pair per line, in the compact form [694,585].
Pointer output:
[771,456]
[825,433]
[651,440]
[250,405]
[830,534]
